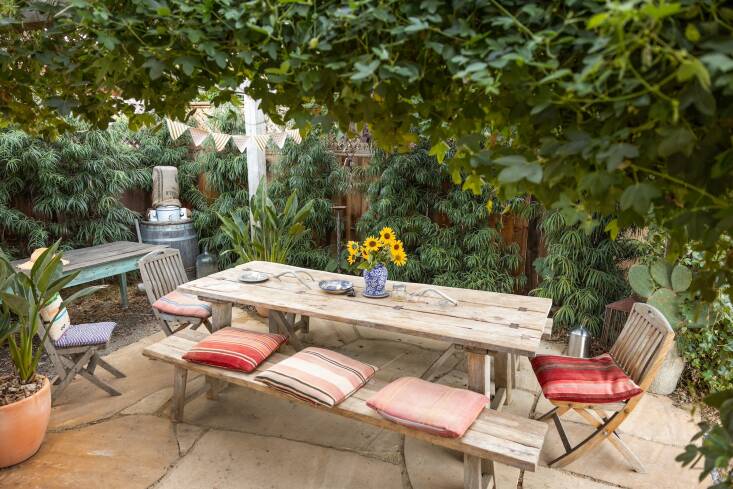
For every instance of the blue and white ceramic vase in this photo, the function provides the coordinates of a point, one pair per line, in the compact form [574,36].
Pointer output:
[375,280]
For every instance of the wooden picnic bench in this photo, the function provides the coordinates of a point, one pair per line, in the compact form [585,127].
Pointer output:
[105,260]
[494,437]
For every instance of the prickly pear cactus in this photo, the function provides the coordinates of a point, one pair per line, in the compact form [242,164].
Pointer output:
[641,281]
[663,286]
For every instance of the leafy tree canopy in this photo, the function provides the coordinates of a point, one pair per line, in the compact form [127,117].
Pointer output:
[590,106]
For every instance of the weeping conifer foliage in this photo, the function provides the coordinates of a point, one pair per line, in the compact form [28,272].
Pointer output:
[66,189]
[580,272]
[445,230]
[316,173]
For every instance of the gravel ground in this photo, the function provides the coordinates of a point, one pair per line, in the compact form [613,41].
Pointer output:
[133,323]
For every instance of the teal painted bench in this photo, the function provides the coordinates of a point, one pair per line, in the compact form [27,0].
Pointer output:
[105,260]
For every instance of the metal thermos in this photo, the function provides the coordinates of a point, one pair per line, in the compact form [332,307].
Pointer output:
[579,343]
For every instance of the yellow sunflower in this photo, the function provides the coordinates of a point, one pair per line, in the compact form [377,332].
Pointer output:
[353,247]
[365,254]
[387,235]
[351,259]
[372,244]
[396,246]
[399,258]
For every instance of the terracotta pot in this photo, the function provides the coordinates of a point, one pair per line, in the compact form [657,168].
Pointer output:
[263,312]
[23,426]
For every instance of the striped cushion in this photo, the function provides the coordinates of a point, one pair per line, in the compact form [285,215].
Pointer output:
[434,408]
[319,376]
[584,380]
[235,349]
[86,335]
[179,304]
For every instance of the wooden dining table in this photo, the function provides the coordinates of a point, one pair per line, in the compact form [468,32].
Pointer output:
[485,325]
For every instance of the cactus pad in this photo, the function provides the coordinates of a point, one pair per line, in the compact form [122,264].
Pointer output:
[668,304]
[681,278]
[641,281]
[661,271]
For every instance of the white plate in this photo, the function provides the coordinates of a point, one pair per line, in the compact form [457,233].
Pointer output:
[252,277]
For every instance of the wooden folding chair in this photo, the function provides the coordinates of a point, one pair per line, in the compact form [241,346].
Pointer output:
[79,358]
[162,272]
[640,351]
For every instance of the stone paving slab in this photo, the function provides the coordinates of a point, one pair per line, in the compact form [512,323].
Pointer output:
[606,464]
[225,459]
[245,410]
[127,452]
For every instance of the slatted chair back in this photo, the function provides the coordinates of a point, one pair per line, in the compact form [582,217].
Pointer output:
[643,344]
[162,272]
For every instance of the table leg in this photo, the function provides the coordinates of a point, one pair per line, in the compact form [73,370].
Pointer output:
[503,375]
[279,322]
[221,315]
[123,289]
[479,380]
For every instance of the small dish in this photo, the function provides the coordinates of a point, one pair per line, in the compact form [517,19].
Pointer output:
[252,277]
[376,296]
[336,286]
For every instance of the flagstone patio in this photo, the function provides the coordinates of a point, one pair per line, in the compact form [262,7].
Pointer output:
[250,440]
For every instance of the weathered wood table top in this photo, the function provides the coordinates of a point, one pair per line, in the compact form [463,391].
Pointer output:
[491,321]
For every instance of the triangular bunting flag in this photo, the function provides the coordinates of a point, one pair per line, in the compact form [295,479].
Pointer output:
[261,140]
[220,140]
[175,128]
[240,141]
[295,134]
[198,135]
[279,139]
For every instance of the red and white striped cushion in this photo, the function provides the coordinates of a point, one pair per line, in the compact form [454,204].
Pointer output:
[235,349]
[181,304]
[595,380]
[318,375]
[434,408]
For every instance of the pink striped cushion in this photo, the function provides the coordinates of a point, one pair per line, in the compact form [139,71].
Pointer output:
[583,380]
[235,349]
[179,304]
[318,375]
[434,408]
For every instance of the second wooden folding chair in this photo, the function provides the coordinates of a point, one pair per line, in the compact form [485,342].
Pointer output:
[604,390]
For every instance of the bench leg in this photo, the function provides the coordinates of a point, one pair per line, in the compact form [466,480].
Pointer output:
[479,380]
[180,375]
[123,289]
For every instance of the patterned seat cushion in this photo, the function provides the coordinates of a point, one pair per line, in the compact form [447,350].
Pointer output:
[318,375]
[86,335]
[235,349]
[434,408]
[179,304]
[584,380]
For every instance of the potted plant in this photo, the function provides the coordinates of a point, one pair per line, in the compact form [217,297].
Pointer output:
[666,287]
[273,233]
[25,395]
[372,255]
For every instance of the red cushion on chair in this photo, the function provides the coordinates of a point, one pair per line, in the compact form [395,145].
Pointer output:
[584,380]
[180,304]
[235,349]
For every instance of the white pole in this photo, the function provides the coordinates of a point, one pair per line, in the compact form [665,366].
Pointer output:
[254,123]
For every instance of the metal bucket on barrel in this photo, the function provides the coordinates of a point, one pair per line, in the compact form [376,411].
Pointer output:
[180,235]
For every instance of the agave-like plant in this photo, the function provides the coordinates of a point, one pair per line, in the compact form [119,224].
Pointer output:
[23,295]
[273,233]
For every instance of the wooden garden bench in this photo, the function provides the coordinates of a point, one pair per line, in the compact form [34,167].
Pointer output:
[494,437]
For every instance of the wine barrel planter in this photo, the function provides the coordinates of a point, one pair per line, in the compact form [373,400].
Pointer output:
[180,235]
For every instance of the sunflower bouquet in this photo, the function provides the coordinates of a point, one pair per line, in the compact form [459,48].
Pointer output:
[377,251]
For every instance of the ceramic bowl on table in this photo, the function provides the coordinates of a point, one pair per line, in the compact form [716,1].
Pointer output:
[336,286]
[252,277]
